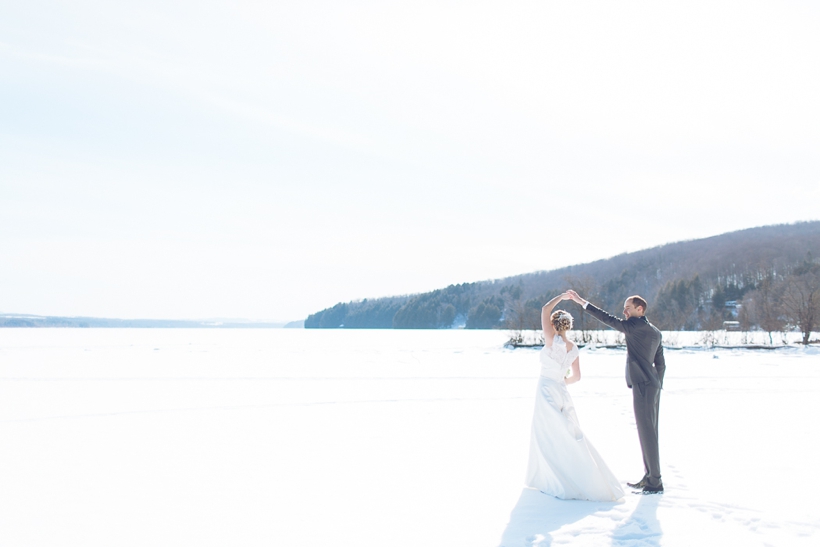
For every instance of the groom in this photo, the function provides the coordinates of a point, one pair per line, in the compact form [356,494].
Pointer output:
[644,349]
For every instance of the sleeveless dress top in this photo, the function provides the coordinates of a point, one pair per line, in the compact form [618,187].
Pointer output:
[556,361]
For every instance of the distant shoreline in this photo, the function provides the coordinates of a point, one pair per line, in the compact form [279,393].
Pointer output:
[40,321]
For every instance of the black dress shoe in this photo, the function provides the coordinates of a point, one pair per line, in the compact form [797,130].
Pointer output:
[652,489]
[637,485]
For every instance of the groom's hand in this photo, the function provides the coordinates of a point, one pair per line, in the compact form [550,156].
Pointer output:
[576,297]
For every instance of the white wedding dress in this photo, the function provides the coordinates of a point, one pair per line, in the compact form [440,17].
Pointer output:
[563,463]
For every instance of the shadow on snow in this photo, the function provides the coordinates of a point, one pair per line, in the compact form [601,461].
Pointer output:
[642,527]
[537,516]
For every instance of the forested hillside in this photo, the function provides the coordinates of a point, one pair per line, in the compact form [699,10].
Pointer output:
[767,275]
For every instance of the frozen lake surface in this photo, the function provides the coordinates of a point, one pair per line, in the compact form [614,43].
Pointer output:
[383,438]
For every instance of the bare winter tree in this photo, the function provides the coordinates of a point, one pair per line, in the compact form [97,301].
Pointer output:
[588,288]
[514,317]
[801,300]
[764,305]
[520,315]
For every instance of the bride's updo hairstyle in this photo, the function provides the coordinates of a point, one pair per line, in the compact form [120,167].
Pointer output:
[561,321]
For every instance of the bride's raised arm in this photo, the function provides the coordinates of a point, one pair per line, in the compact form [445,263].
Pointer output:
[546,311]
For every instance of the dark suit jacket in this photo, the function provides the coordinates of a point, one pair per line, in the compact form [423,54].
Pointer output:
[644,347]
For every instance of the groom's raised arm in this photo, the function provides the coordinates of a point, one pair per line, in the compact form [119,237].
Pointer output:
[598,313]
[605,318]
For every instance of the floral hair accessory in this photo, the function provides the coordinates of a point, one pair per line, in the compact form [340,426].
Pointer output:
[561,321]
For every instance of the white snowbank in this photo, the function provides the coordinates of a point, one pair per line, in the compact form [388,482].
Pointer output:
[688,339]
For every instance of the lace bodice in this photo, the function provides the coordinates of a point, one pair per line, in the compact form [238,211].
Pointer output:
[556,361]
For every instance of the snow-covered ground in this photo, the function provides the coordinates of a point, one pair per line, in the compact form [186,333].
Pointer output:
[382,438]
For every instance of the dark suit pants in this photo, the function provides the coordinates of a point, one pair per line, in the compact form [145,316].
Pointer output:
[646,401]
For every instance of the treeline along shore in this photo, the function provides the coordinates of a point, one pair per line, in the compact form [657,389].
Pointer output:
[765,278]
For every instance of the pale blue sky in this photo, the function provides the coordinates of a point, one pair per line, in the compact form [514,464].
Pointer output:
[268,159]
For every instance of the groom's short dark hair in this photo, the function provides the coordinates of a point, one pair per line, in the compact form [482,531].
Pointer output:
[638,301]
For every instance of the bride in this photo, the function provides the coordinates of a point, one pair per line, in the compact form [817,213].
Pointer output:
[563,463]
